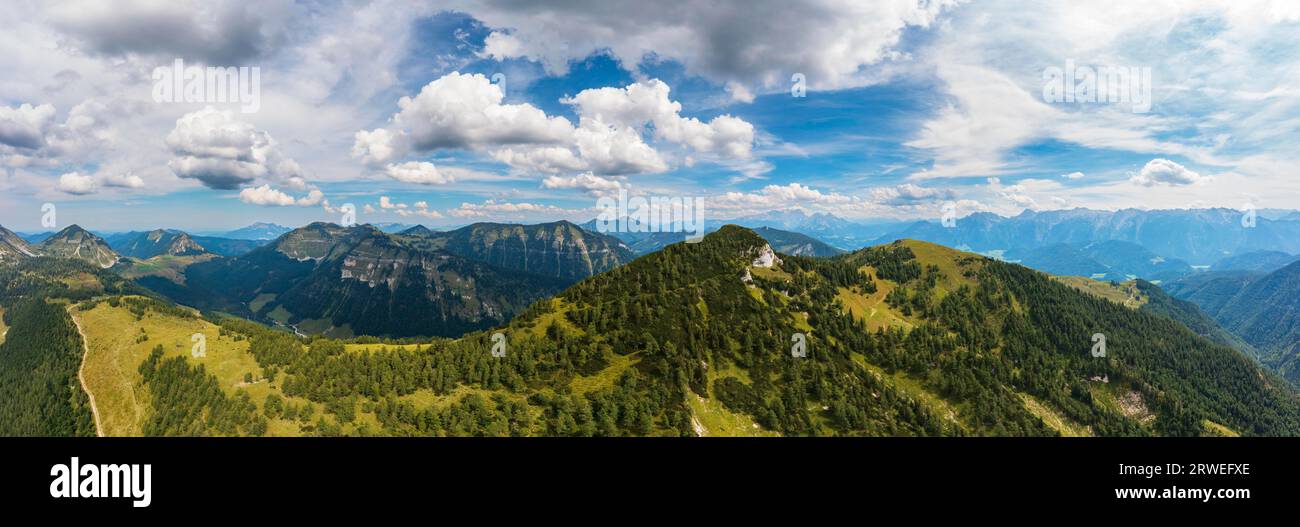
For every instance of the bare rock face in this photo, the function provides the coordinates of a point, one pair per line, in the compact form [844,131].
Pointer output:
[375,283]
[766,257]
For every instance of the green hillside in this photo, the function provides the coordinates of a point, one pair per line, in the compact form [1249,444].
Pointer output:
[904,339]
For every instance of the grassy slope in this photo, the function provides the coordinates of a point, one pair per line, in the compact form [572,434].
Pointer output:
[3,328]
[1119,397]
[170,267]
[1125,294]
[111,370]
[914,389]
[1058,422]
[116,328]
[366,348]
[879,313]
[114,358]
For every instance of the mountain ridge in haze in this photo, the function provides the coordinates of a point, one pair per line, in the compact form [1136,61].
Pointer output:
[1197,236]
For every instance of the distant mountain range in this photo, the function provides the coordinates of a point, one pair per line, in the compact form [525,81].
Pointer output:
[1196,236]
[1107,260]
[787,242]
[341,281]
[831,229]
[797,244]
[392,228]
[257,231]
[1260,261]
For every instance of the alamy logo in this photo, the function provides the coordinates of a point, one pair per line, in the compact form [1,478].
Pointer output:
[1100,85]
[210,85]
[799,349]
[102,481]
[798,85]
[949,217]
[1098,345]
[49,216]
[200,348]
[654,214]
[349,215]
[1249,216]
[498,345]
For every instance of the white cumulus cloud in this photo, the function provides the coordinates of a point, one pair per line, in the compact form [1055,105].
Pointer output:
[467,112]
[270,197]
[1165,172]
[76,183]
[224,153]
[419,172]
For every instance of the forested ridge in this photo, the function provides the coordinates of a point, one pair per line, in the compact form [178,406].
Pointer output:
[972,346]
[689,322]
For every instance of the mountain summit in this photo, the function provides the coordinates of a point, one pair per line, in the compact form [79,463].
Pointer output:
[908,338]
[78,243]
[258,231]
[147,245]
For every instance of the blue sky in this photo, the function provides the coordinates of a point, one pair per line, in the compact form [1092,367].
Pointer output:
[448,113]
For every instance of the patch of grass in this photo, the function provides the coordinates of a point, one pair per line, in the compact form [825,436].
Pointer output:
[1052,419]
[1126,294]
[912,388]
[606,377]
[717,421]
[315,326]
[3,328]
[1217,430]
[81,282]
[118,344]
[770,273]
[949,263]
[425,398]
[280,314]
[711,418]
[256,304]
[872,308]
[558,314]
[168,266]
[362,348]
